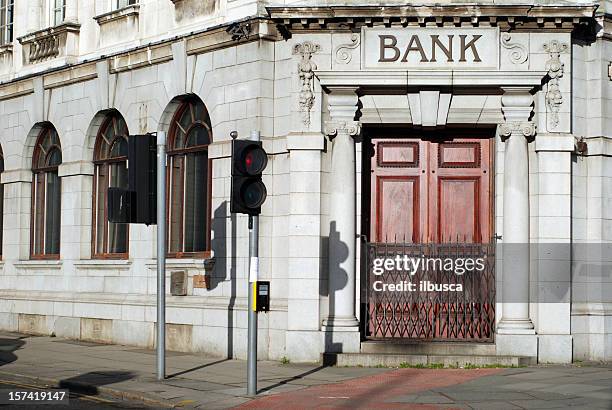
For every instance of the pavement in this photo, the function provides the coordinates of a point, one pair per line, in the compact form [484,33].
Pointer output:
[124,374]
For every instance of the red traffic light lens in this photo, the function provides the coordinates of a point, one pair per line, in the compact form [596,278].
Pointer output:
[255,161]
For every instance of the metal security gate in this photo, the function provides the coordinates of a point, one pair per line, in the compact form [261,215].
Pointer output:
[427,314]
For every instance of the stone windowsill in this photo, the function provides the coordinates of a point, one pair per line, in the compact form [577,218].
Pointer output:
[38,264]
[64,27]
[187,263]
[110,264]
[119,14]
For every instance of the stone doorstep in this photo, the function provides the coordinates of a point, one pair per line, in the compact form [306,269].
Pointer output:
[78,387]
[448,360]
[427,348]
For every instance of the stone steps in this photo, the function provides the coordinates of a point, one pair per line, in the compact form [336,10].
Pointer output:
[427,360]
[429,348]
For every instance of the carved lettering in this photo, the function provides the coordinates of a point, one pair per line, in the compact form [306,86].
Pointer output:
[384,46]
[418,47]
[435,42]
[471,44]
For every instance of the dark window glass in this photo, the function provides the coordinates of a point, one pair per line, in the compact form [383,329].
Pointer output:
[189,179]
[110,159]
[46,195]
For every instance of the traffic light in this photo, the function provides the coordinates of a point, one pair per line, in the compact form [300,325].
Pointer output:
[142,177]
[248,190]
[137,204]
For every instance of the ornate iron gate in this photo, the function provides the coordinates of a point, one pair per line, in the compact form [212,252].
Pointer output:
[425,314]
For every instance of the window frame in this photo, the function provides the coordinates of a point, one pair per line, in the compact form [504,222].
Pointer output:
[173,153]
[55,9]
[117,4]
[44,171]
[100,139]
[7,11]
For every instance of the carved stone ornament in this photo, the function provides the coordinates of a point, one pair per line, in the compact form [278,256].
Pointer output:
[306,69]
[343,51]
[527,128]
[518,53]
[351,128]
[554,66]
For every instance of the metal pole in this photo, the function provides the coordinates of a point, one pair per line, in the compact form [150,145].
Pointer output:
[253,273]
[161,255]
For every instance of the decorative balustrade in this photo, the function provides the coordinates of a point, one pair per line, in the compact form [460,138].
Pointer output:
[53,42]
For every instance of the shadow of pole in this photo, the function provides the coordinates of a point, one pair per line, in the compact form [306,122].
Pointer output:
[337,281]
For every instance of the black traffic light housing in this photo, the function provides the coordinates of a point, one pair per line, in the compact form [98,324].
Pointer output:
[137,204]
[248,190]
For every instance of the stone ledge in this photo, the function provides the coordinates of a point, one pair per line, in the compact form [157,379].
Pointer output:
[199,302]
[123,13]
[38,264]
[187,263]
[110,264]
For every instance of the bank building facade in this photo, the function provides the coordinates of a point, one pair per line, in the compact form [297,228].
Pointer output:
[445,132]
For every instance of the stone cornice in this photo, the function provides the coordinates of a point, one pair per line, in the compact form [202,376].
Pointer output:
[505,16]
[122,13]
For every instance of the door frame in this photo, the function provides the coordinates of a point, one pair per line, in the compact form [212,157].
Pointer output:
[403,132]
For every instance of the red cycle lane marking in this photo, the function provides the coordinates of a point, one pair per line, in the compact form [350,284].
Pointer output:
[372,392]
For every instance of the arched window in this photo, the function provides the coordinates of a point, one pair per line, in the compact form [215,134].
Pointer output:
[1,201]
[189,181]
[46,195]
[110,240]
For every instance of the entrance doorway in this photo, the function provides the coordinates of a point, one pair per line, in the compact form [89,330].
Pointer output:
[430,198]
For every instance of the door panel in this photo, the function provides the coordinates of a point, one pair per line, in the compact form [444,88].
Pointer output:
[458,210]
[397,223]
[431,191]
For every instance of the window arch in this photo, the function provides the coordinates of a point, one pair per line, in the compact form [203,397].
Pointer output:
[189,179]
[109,240]
[46,195]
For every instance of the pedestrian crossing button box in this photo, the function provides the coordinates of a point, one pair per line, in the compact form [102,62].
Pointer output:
[262,294]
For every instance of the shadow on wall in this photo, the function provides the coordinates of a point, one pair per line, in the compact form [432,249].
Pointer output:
[88,383]
[337,279]
[7,347]
[219,247]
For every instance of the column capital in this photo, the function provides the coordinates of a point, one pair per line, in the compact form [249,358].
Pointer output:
[350,128]
[343,105]
[517,107]
[527,128]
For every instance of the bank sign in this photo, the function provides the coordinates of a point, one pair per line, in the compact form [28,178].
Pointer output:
[431,48]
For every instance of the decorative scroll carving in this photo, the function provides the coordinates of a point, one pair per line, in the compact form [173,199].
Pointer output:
[519,53]
[306,69]
[343,53]
[554,66]
[527,128]
[351,128]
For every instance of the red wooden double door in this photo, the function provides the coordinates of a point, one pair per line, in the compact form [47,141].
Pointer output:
[431,197]
[431,190]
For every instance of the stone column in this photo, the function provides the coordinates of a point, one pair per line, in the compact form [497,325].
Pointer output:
[72,11]
[517,106]
[342,128]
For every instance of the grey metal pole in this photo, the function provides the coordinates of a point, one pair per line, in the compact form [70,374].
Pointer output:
[161,255]
[253,276]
